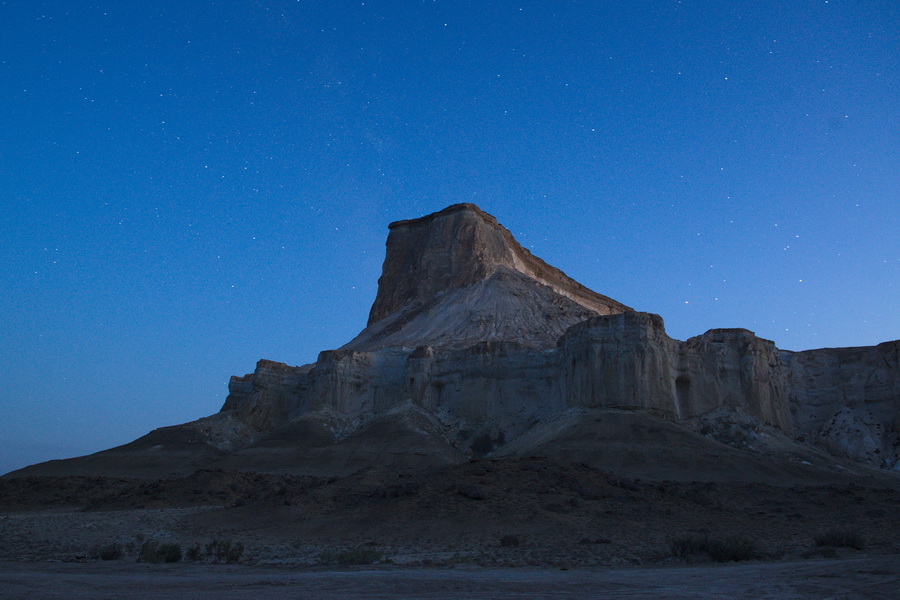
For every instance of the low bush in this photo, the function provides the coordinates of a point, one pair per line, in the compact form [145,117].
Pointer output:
[730,549]
[361,555]
[225,551]
[111,551]
[193,554]
[153,552]
[840,538]
[823,552]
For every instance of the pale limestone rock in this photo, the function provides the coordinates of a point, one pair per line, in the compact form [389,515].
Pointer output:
[474,346]
[848,399]
[474,330]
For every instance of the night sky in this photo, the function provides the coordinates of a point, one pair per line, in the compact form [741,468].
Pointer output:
[190,186]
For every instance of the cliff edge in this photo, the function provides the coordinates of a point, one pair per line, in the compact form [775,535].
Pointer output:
[457,277]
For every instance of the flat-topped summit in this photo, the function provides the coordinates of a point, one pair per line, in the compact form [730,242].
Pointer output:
[453,208]
[456,247]
[463,247]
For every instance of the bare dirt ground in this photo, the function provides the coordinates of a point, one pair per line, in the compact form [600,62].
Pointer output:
[874,578]
[514,528]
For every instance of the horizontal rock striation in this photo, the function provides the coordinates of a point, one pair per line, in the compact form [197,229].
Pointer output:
[495,391]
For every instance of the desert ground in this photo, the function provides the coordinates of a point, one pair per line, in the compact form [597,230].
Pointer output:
[512,528]
[874,578]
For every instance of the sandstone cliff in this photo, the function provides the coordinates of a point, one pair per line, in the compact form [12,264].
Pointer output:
[457,277]
[475,347]
[457,247]
[471,328]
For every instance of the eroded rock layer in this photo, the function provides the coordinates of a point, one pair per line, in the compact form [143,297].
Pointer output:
[497,390]
[848,400]
[473,329]
[457,247]
[475,347]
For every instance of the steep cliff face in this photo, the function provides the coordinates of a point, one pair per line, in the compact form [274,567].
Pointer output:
[493,391]
[457,247]
[628,361]
[475,347]
[848,400]
[736,369]
[265,397]
[620,361]
[472,329]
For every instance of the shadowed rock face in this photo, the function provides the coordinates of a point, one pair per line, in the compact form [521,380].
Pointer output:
[848,400]
[476,347]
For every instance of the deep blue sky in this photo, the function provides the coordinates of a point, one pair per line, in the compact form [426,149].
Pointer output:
[190,186]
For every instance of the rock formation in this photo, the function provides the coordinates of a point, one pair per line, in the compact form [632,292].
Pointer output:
[848,400]
[471,328]
[475,347]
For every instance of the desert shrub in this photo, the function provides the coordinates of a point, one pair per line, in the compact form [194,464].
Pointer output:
[153,552]
[193,553]
[111,551]
[361,555]
[170,553]
[730,549]
[840,538]
[149,551]
[225,551]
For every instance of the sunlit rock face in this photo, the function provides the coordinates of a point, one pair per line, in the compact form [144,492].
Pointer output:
[457,247]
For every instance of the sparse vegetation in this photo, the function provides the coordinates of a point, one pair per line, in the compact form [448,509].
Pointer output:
[730,549]
[112,551]
[361,555]
[153,552]
[225,551]
[193,554]
[840,538]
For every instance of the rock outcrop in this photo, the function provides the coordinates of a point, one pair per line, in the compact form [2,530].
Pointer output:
[492,391]
[475,347]
[848,400]
[457,247]
[491,340]
[457,277]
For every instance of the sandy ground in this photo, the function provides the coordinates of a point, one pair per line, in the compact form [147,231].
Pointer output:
[873,578]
